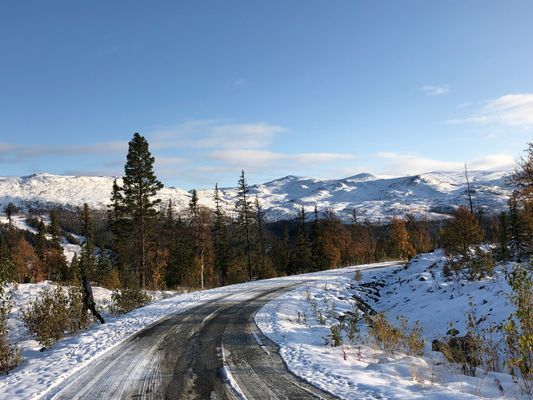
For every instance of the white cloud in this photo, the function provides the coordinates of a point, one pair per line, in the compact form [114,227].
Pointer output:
[249,159]
[408,164]
[493,161]
[433,90]
[413,164]
[512,110]
[216,134]
[20,153]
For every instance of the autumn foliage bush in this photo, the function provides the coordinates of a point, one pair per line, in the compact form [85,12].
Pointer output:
[55,313]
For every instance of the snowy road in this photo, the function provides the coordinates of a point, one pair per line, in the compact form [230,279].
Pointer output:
[214,351]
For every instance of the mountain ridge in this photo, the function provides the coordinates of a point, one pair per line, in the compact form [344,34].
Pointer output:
[430,195]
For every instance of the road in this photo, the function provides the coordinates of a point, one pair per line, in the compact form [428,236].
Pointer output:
[213,351]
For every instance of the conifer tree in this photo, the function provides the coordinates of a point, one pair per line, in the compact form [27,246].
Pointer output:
[41,245]
[10,210]
[302,255]
[193,207]
[197,240]
[259,224]
[316,242]
[244,222]
[516,228]
[116,222]
[140,185]
[220,240]
[87,260]
[55,229]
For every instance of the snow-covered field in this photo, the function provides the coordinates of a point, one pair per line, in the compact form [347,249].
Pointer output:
[357,370]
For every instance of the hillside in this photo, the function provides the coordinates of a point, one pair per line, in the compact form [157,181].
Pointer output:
[427,195]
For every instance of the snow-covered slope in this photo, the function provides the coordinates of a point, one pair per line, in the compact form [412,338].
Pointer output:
[428,195]
[358,369]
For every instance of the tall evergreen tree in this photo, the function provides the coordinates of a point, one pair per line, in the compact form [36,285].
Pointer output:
[260,228]
[55,229]
[302,257]
[116,222]
[140,186]
[87,260]
[41,244]
[10,210]
[220,240]
[316,242]
[244,221]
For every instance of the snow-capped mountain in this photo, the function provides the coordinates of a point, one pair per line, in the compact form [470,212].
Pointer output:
[429,195]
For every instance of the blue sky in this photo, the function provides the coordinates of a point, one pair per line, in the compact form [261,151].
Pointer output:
[315,88]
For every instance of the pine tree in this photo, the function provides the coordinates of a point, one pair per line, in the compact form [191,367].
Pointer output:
[316,242]
[10,210]
[302,257]
[244,221]
[41,245]
[87,260]
[259,224]
[55,229]
[116,222]
[140,185]
[220,240]
[198,241]
[516,228]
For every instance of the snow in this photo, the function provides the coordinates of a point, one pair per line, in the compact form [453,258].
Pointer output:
[366,373]
[358,370]
[42,372]
[375,198]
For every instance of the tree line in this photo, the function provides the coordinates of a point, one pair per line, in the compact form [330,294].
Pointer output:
[140,243]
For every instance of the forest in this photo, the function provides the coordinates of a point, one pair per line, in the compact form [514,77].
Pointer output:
[140,243]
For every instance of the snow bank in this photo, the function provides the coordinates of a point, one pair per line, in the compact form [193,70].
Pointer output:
[358,370]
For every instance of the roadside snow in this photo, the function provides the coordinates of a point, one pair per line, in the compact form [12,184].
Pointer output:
[44,371]
[357,370]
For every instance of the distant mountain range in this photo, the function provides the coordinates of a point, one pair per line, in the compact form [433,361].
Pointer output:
[429,195]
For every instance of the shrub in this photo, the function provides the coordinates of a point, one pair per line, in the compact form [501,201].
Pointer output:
[127,299]
[482,264]
[46,317]
[414,340]
[352,329]
[78,317]
[519,327]
[336,335]
[54,313]
[387,337]
[9,355]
